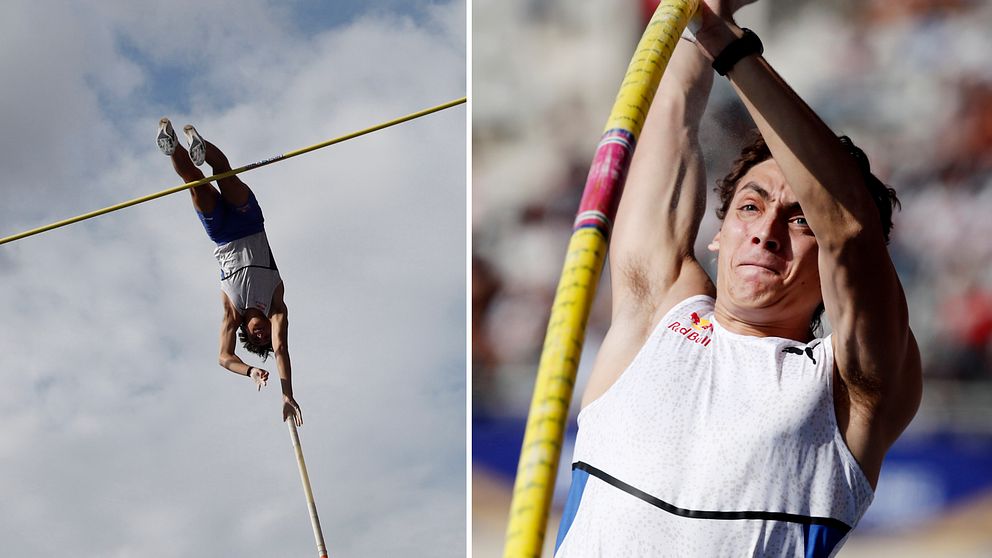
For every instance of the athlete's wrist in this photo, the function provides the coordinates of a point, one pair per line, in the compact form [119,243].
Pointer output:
[713,38]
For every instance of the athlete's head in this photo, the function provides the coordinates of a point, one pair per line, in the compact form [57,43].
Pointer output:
[767,253]
[256,335]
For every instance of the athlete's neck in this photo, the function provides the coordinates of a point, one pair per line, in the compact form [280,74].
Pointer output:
[757,323]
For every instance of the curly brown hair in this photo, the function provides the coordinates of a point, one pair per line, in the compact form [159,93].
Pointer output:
[756,151]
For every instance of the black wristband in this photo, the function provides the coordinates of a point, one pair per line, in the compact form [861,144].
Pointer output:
[746,45]
[248,373]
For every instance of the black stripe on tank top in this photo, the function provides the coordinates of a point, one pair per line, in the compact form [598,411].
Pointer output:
[698,514]
[233,273]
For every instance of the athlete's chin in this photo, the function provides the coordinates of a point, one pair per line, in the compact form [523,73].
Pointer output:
[760,286]
[757,295]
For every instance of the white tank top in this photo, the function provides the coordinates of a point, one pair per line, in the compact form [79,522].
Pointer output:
[248,272]
[714,444]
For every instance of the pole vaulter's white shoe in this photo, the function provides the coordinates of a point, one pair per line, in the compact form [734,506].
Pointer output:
[166,137]
[197,147]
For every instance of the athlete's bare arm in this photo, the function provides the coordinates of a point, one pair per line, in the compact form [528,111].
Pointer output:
[879,383]
[652,262]
[279,318]
[228,338]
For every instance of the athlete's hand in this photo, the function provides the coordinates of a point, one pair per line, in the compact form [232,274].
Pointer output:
[713,13]
[260,377]
[708,26]
[290,408]
[726,8]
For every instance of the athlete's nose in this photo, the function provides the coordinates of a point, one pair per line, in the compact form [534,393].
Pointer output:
[770,243]
[768,233]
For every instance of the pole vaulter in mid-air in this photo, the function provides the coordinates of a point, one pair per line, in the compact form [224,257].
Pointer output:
[251,288]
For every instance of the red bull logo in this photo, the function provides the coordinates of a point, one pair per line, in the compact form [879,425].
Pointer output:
[698,330]
[701,324]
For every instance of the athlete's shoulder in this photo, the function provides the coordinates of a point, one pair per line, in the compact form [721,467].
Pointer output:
[692,319]
[696,309]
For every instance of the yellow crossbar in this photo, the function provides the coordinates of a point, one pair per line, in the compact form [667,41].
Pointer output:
[232,172]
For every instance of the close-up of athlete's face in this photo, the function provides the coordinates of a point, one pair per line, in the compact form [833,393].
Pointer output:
[767,252]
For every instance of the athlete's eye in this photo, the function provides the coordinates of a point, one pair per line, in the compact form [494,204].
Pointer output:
[749,207]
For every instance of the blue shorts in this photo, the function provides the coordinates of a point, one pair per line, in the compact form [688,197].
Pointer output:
[227,222]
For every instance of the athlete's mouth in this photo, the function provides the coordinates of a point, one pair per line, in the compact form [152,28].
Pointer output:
[765,267]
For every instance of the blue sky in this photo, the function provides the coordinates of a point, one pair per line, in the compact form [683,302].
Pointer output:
[122,435]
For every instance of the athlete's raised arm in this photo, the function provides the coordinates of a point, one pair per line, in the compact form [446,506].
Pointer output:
[652,262]
[876,356]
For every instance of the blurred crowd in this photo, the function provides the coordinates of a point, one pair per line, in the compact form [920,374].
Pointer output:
[909,81]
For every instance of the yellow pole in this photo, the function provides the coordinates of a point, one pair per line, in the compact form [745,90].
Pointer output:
[307,491]
[541,451]
[232,172]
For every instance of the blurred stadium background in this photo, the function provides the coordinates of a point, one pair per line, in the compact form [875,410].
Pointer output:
[909,80]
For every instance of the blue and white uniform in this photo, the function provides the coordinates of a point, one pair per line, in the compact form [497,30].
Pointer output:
[248,272]
[714,444]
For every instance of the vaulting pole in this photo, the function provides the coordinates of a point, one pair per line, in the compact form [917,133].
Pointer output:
[546,421]
[231,172]
[307,491]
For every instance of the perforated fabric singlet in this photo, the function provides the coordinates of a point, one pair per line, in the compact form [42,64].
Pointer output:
[714,444]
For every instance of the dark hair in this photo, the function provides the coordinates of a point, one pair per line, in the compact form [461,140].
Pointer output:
[756,151]
[261,350]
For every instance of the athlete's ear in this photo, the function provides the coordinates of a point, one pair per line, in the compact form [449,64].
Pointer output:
[714,245]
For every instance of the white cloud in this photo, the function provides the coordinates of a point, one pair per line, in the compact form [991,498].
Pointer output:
[123,436]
